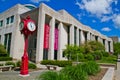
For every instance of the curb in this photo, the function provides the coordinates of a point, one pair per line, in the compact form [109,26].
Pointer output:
[109,74]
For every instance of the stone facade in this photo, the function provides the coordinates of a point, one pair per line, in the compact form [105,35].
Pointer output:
[70,31]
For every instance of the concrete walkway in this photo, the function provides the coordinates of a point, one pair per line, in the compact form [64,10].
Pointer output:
[117,72]
[14,75]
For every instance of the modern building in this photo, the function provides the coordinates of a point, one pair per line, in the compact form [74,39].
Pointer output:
[55,29]
[115,39]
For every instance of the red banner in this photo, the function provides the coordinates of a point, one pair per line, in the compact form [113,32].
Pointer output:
[46,36]
[56,39]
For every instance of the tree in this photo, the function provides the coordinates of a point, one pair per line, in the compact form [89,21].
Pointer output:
[92,46]
[116,48]
[71,51]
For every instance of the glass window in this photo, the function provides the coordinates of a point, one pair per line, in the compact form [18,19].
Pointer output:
[7,41]
[12,19]
[7,20]
[1,23]
[75,35]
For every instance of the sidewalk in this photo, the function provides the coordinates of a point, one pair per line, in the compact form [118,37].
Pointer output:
[117,72]
[14,75]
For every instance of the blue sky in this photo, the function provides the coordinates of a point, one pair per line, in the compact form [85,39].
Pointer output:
[101,15]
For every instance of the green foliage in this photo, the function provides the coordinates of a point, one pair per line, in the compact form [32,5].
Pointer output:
[2,49]
[10,63]
[95,45]
[91,67]
[117,48]
[97,55]
[18,63]
[56,62]
[75,72]
[3,55]
[110,59]
[5,58]
[32,66]
[105,54]
[71,51]
[50,75]
[89,56]
[1,64]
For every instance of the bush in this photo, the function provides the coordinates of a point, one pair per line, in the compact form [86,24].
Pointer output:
[18,63]
[105,54]
[91,67]
[75,72]
[3,55]
[89,57]
[97,55]
[58,63]
[5,58]
[32,66]
[50,75]
[2,49]
[10,63]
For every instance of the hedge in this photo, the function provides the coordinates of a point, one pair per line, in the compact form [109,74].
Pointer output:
[5,58]
[56,62]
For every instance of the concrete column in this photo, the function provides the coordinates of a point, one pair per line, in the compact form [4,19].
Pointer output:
[82,37]
[111,46]
[59,56]
[78,37]
[40,36]
[72,34]
[106,46]
[88,36]
[51,46]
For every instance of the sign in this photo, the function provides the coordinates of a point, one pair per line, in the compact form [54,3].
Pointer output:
[56,39]
[46,36]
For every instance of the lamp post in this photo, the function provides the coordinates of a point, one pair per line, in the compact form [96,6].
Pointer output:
[27,27]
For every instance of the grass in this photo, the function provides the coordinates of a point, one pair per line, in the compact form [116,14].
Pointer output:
[110,59]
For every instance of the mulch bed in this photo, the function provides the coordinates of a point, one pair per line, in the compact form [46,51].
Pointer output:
[98,76]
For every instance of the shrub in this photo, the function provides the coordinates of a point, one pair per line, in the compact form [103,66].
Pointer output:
[51,75]
[89,57]
[75,72]
[32,66]
[18,63]
[2,49]
[97,55]
[91,67]
[3,55]
[5,58]
[105,54]
[58,63]
[10,63]
[1,64]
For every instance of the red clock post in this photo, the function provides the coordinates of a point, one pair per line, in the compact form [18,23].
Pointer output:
[27,27]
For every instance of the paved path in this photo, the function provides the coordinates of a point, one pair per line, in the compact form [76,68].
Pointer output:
[117,72]
[14,75]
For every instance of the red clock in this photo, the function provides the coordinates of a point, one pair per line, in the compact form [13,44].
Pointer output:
[27,26]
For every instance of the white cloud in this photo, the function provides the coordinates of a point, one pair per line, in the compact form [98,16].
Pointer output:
[106,18]
[79,16]
[93,21]
[107,29]
[37,1]
[97,7]
[116,21]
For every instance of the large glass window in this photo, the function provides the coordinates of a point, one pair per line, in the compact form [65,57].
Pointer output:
[7,20]
[11,19]
[1,23]
[7,41]
[75,35]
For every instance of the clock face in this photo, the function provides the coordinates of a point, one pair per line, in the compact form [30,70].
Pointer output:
[31,26]
[21,26]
